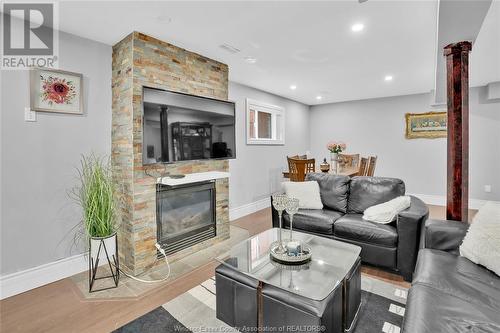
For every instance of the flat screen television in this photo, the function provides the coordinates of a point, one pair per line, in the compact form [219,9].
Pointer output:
[182,127]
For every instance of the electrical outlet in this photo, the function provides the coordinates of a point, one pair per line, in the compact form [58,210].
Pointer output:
[487,188]
[29,115]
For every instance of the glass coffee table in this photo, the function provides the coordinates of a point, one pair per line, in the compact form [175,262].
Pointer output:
[324,292]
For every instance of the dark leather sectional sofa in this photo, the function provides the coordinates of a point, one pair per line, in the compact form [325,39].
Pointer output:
[450,293]
[392,246]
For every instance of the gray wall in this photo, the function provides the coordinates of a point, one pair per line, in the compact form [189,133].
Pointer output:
[256,171]
[377,127]
[39,158]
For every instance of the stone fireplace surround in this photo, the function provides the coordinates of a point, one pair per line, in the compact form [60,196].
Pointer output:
[141,61]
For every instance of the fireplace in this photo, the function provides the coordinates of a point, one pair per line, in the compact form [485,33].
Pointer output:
[185,215]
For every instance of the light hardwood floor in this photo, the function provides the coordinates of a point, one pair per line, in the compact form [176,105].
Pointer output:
[57,307]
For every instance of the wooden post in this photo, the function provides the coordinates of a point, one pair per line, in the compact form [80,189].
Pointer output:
[457,68]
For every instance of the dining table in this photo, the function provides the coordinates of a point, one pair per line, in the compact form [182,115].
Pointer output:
[350,171]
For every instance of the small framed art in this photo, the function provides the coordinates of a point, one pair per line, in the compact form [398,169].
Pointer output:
[56,91]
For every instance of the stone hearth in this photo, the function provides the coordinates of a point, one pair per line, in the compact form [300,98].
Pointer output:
[142,61]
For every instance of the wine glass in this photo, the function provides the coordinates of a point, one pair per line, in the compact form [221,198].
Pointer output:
[292,207]
[279,203]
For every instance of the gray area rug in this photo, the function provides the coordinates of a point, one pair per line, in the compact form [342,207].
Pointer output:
[382,310]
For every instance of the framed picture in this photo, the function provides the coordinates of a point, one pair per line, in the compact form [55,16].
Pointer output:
[56,91]
[426,125]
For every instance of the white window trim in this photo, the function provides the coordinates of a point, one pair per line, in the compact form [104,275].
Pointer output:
[269,108]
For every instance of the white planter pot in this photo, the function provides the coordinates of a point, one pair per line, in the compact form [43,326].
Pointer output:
[335,162]
[109,242]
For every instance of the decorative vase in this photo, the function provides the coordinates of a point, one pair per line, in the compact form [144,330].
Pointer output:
[335,162]
[279,203]
[324,167]
[292,208]
[103,248]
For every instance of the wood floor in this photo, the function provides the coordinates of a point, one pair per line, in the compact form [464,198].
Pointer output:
[57,307]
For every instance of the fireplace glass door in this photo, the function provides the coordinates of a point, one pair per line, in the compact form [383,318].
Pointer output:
[185,215]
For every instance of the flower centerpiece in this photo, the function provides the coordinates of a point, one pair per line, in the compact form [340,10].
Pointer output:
[335,147]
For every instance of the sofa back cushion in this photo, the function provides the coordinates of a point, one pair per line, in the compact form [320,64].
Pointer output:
[369,191]
[334,190]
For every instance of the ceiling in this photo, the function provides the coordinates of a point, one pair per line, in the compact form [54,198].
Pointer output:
[304,43]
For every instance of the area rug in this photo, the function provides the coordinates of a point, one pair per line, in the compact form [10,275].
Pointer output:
[130,289]
[382,310]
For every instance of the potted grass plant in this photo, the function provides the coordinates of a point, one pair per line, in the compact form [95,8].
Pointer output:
[95,193]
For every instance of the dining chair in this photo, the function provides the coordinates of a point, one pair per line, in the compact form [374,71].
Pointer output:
[299,157]
[363,162]
[370,169]
[349,160]
[298,168]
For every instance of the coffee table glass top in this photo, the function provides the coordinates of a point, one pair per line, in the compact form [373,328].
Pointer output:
[330,263]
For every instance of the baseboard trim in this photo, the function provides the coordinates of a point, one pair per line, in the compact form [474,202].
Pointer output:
[237,212]
[22,281]
[440,200]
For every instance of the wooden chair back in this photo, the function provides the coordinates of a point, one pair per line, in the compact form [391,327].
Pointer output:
[298,168]
[370,169]
[348,160]
[363,162]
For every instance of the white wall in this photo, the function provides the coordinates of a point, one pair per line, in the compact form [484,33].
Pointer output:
[257,170]
[377,127]
[39,158]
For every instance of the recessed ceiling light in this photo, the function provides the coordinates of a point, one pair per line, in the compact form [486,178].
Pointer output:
[357,27]
[319,97]
[388,78]
[293,87]
[251,60]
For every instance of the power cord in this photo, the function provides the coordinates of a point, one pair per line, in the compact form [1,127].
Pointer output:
[162,251]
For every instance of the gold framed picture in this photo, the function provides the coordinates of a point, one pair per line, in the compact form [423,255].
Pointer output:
[56,91]
[428,125]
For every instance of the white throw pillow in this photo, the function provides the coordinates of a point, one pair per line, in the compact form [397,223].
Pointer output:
[386,212]
[481,244]
[307,193]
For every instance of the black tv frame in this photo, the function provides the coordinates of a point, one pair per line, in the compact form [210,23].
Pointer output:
[190,95]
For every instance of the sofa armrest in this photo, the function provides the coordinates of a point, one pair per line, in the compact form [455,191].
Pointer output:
[444,235]
[409,225]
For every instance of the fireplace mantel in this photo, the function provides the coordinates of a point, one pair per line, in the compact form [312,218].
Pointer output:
[193,178]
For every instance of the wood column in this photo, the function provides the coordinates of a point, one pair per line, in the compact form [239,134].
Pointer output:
[457,68]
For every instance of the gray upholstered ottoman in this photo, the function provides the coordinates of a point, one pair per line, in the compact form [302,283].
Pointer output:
[253,292]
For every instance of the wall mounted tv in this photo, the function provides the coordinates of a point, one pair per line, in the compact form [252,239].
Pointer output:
[182,127]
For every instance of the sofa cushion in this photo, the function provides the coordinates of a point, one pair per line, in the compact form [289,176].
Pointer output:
[386,212]
[334,189]
[369,191]
[430,310]
[352,226]
[458,276]
[313,220]
[306,192]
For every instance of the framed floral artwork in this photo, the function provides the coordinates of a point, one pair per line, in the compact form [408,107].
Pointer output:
[428,125]
[56,91]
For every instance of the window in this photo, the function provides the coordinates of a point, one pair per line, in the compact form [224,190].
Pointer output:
[265,124]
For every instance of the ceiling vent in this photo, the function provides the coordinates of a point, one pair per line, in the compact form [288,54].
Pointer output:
[229,48]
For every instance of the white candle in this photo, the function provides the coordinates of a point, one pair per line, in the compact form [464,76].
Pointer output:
[293,248]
